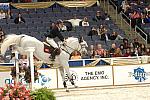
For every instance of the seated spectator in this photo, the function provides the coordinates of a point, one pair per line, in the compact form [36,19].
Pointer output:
[23,60]
[83,45]
[75,21]
[2,14]
[132,52]
[85,22]
[2,35]
[136,43]
[106,54]
[91,51]
[117,53]
[147,53]
[100,51]
[75,55]
[122,49]
[98,16]
[112,50]
[127,53]
[1,59]
[92,32]
[125,44]
[115,36]
[95,55]
[19,19]
[104,36]
[143,48]
[101,29]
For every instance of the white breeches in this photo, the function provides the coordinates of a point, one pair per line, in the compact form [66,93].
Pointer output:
[51,42]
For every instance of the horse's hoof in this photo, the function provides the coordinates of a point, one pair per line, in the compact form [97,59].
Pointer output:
[67,91]
[76,86]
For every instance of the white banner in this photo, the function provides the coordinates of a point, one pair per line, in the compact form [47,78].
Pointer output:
[132,74]
[89,76]
[46,79]
[5,78]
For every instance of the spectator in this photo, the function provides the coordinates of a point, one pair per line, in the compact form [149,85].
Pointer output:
[125,44]
[85,22]
[104,36]
[75,55]
[106,54]
[91,51]
[83,46]
[115,36]
[132,52]
[23,60]
[127,53]
[1,59]
[101,29]
[136,44]
[19,19]
[122,49]
[2,14]
[143,49]
[75,21]
[92,32]
[100,51]
[112,50]
[147,52]
[98,16]
[117,53]
[2,35]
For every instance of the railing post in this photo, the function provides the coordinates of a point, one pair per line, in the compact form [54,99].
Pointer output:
[17,66]
[30,51]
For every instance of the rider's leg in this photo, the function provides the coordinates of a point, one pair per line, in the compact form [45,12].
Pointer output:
[53,44]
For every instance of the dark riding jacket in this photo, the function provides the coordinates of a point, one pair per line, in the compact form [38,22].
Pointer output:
[55,32]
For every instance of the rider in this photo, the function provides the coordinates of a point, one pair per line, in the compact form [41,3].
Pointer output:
[55,32]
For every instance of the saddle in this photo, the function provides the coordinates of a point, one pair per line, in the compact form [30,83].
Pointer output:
[49,49]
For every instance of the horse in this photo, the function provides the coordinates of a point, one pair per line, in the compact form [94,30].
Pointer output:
[21,42]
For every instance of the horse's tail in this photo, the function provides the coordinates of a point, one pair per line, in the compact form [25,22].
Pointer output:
[10,40]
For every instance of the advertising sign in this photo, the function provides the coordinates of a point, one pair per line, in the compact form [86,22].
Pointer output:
[132,74]
[4,6]
[4,78]
[47,79]
[89,76]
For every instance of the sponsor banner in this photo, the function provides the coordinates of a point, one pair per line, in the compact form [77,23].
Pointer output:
[4,6]
[47,79]
[5,77]
[131,74]
[89,76]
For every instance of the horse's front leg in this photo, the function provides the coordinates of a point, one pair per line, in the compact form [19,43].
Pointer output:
[63,78]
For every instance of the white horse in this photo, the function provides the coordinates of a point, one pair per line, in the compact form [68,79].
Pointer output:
[23,41]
